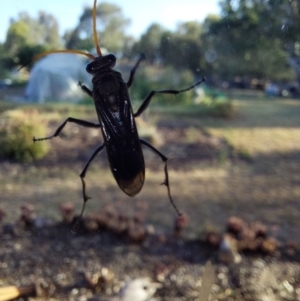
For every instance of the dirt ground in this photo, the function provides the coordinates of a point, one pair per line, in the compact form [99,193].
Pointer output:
[210,182]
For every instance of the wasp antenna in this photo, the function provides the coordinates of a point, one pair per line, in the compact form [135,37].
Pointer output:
[95,29]
[38,56]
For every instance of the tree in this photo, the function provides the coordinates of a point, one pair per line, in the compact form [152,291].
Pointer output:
[27,52]
[111,26]
[183,48]
[149,42]
[247,41]
[27,35]
[288,28]
[16,36]
[50,31]
[31,31]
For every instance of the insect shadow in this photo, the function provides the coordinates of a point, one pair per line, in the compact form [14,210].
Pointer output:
[116,121]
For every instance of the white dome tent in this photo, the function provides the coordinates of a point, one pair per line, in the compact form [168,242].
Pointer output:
[56,76]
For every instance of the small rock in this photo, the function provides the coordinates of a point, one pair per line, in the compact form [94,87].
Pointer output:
[269,245]
[228,252]
[235,225]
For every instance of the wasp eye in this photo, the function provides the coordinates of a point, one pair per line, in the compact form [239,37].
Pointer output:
[111,57]
[101,63]
[110,60]
[90,68]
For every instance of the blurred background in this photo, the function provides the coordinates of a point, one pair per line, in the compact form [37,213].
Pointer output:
[241,42]
[233,142]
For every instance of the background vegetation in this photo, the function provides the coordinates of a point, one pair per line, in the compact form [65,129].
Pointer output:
[249,39]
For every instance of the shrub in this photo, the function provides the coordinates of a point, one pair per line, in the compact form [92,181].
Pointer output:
[222,108]
[217,105]
[17,129]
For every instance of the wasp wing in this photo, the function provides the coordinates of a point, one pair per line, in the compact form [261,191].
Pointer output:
[120,134]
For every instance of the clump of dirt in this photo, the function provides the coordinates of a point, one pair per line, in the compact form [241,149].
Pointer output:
[71,260]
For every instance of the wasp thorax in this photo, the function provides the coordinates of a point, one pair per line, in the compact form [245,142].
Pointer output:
[100,63]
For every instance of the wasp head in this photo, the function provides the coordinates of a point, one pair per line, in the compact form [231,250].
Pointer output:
[100,63]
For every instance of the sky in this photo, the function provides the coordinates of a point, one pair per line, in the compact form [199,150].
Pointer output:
[165,12]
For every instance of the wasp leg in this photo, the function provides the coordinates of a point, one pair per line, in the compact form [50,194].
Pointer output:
[85,89]
[83,173]
[132,72]
[166,181]
[69,119]
[146,102]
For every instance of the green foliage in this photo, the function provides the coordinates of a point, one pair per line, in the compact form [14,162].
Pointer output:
[149,42]
[217,104]
[27,36]
[19,83]
[183,48]
[161,79]
[111,26]
[222,109]
[16,36]
[27,52]
[214,103]
[6,63]
[17,128]
[248,40]
[43,30]
[223,155]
